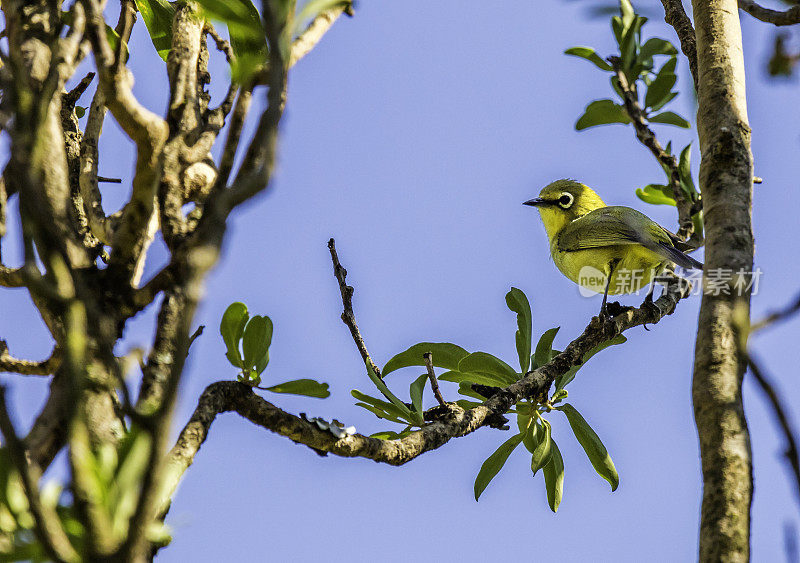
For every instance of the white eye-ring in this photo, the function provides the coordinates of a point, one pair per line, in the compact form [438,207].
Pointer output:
[566,200]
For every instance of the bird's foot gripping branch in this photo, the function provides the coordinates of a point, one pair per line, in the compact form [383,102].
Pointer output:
[490,391]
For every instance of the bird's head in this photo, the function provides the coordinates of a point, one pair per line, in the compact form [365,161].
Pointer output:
[562,202]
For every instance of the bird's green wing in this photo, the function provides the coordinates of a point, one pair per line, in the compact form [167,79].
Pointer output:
[616,225]
[610,226]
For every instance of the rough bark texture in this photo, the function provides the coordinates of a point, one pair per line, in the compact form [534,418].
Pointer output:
[726,175]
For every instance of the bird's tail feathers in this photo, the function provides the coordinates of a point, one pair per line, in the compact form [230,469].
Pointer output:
[681,259]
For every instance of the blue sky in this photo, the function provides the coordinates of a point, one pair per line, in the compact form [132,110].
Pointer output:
[412,135]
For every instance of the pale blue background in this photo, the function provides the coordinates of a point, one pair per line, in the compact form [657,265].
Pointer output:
[412,135]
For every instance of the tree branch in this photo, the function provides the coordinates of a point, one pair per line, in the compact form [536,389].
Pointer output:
[726,184]
[777,316]
[225,396]
[781,417]
[775,17]
[648,139]
[315,31]
[348,317]
[10,364]
[675,15]
[432,376]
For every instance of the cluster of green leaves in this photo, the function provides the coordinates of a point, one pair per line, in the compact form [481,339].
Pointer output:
[636,61]
[114,479]
[243,20]
[661,194]
[472,370]
[247,342]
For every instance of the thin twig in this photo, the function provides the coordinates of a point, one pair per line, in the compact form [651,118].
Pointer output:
[432,376]
[781,417]
[348,317]
[71,98]
[775,17]
[675,15]
[777,316]
[195,335]
[222,44]
[109,180]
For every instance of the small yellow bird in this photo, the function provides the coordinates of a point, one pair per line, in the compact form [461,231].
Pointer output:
[596,245]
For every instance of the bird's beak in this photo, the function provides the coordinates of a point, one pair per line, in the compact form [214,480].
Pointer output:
[536,202]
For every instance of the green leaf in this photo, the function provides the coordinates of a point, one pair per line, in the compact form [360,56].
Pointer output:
[685,170]
[467,405]
[80,111]
[229,11]
[306,387]
[590,55]
[656,46]
[541,455]
[385,435]
[380,413]
[664,101]
[315,7]
[518,303]
[486,364]
[465,389]
[256,341]
[653,194]
[232,328]
[158,16]
[544,349]
[670,118]
[627,13]
[249,44]
[592,445]
[567,377]
[416,390]
[386,393]
[630,42]
[662,85]
[480,378]
[529,430]
[602,112]
[248,39]
[494,463]
[445,355]
[554,477]
[389,408]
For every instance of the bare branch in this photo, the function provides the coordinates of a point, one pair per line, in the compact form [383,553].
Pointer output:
[775,17]
[147,130]
[11,277]
[781,417]
[348,317]
[234,134]
[432,376]
[10,364]
[675,15]
[777,316]
[315,31]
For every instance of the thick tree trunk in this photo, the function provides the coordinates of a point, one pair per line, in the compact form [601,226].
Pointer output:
[726,173]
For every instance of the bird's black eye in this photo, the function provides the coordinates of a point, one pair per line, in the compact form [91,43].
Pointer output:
[566,200]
